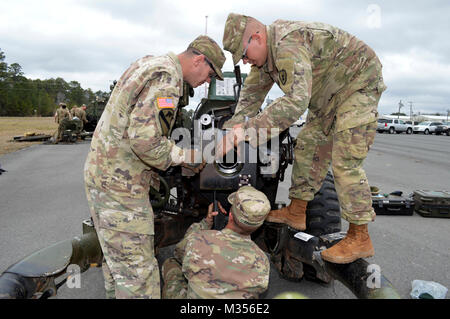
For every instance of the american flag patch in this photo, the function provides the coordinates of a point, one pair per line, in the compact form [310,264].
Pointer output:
[165,102]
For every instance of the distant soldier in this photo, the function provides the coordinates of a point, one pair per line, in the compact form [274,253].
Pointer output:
[80,113]
[221,264]
[130,144]
[73,110]
[338,78]
[62,116]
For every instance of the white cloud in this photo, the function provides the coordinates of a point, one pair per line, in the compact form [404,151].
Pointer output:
[418,75]
[418,63]
[93,42]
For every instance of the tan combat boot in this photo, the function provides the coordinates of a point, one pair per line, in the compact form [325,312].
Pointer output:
[293,215]
[356,244]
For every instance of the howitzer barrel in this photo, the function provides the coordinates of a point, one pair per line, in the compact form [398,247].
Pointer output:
[363,283]
[37,272]
[15,286]
[365,280]
[292,251]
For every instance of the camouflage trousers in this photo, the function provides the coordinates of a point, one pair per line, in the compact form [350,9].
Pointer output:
[61,128]
[345,150]
[130,268]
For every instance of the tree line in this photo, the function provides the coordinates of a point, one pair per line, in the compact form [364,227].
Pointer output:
[20,96]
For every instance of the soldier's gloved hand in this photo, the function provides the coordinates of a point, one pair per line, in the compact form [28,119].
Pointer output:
[193,160]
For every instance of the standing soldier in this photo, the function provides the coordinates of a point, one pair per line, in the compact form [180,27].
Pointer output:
[130,143]
[62,116]
[338,78]
[73,110]
[80,113]
[223,264]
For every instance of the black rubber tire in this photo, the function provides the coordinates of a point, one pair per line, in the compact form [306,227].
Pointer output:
[409,131]
[426,132]
[323,214]
[391,130]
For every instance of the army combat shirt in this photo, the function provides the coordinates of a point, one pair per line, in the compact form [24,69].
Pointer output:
[222,264]
[131,138]
[80,113]
[62,114]
[317,66]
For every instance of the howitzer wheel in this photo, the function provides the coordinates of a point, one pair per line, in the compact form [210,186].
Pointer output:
[323,214]
[158,199]
[322,217]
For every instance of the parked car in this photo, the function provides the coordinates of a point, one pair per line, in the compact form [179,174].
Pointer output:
[426,127]
[394,126]
[412,122]
[443,129]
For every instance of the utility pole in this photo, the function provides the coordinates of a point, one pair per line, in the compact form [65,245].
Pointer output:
[448,112]
[410,111]
[400,105]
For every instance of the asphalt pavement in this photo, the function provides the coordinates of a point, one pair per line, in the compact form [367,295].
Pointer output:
[42,202]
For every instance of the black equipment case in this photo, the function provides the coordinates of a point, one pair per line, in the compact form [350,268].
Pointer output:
[393,205]
[432,203]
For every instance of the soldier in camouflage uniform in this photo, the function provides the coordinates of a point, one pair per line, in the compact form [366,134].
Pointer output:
[62,116]
[80,113]
[130,143]
[73,110]
[338,79]
[223,264]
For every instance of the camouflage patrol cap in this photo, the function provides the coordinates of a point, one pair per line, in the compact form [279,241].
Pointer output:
[232,35]
[249,206]
[209,48]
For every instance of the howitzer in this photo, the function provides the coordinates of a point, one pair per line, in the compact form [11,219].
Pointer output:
[95,110]
[183,199]
[36,276]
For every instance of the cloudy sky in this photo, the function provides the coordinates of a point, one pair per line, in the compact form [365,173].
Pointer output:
[94,41]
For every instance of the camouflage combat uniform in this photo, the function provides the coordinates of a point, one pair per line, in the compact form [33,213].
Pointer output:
[62,117]
[129,143]
[81,114]
[221,264]
[73,111]
[338,79]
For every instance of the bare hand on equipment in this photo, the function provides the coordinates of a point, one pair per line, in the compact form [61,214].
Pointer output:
[229,141]
[210,217]
[190,157]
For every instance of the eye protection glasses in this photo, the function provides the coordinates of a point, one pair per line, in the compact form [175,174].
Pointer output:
[244,54]
[213,74]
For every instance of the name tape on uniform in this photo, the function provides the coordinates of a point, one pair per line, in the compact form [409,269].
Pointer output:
[165,103]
